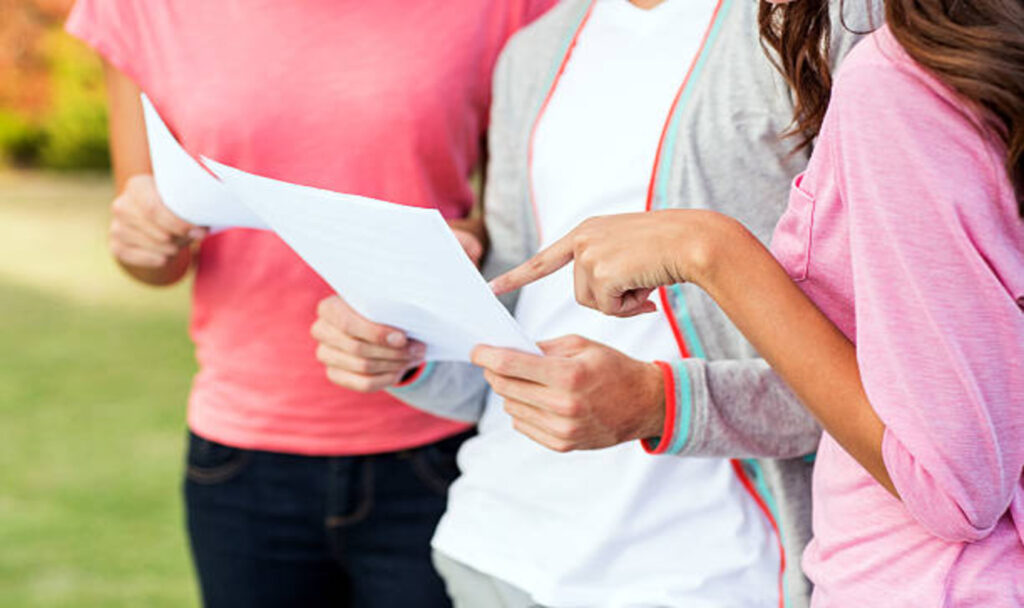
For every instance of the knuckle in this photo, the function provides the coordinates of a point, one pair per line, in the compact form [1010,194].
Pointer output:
[365,385]
[575,377]
[337,377]
[503,363]
[380,334]
[602,272]
[572,407]
[346,324]
[497,383]
[359,349]
[120,205]
[561,446]
[496,364]
[323,307]
[150,203]
[569,431]
[318,330]
[510,408]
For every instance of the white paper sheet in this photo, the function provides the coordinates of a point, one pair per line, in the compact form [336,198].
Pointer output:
[394,264]
[186,187]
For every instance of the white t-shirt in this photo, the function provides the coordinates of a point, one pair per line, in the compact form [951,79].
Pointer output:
[615,527]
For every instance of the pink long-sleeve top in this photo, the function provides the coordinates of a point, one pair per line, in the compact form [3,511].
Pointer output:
[905,232]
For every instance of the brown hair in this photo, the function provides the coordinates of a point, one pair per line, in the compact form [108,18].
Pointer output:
[976,47]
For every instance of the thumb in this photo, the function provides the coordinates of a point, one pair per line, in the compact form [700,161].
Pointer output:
[565,346]
[470,244]
[631,303]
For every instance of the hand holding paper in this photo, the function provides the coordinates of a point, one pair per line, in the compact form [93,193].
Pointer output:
[359,354]
[146,237]
[187,188]
[396,265]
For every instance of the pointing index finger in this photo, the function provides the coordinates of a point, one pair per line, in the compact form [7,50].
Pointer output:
[539,266]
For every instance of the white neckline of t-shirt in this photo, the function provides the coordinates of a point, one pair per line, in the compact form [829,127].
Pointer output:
[628,14]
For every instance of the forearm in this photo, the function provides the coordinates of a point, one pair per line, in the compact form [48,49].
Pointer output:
[801,344]
[129,150]
[129,153]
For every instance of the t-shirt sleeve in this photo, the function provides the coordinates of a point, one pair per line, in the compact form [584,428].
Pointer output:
[525,12]
[940,338]
[111,28]
[536,8]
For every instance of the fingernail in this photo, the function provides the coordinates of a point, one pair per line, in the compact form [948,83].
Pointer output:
[418,350]
[396,339]
[195,233]
[493,285]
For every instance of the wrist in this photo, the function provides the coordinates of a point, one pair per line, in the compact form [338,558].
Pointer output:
[707,236]
[659,440]
[652,421]
[176,267]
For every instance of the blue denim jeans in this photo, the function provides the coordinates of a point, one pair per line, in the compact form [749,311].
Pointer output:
[273,530]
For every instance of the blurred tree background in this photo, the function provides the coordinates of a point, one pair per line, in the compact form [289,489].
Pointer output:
[94,370]
[52,105]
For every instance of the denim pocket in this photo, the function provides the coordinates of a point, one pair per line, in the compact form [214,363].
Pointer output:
[210,462]
[435,465]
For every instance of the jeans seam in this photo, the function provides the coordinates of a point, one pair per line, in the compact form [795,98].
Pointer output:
[429,477]
[220,473]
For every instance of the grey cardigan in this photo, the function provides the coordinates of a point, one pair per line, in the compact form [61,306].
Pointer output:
[722,151]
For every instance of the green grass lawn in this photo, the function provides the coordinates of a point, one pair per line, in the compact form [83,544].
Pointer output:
[94,374]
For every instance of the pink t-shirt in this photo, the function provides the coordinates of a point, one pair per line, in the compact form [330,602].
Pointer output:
[387,99]
[905,231]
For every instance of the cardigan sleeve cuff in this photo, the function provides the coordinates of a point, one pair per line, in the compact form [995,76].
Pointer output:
[414,376]
[677,411]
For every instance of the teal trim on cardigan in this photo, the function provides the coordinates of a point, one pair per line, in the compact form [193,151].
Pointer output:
[769,499]
[680,307]
[684,407]
[683,314]
[429,367]
[661,185]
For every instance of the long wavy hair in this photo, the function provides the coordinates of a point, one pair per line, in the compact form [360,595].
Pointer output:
[976,47]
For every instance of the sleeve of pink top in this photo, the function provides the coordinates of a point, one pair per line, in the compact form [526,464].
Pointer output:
[536,8]
[111,28]
[940,340]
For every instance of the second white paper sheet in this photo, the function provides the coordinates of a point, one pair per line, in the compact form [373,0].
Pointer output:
[394,264]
